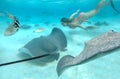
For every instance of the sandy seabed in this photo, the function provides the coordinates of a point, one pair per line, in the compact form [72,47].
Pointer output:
[106,67]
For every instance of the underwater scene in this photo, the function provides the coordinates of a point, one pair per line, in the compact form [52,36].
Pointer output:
[59,39]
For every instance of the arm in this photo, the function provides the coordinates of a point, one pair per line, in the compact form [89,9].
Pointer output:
[87,28]
[75,13]
[82,27]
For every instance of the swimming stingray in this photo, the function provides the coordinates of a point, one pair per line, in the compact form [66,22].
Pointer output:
[101,45]
[42,45]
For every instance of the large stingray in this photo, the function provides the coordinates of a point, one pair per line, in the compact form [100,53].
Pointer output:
[100,45]
[42,45]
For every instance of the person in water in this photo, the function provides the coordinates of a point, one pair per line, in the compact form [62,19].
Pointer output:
[74,21]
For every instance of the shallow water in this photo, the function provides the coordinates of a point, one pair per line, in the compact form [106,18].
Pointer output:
[47,14]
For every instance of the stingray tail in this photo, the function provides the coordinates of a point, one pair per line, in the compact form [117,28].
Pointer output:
[64,63]
[113,6]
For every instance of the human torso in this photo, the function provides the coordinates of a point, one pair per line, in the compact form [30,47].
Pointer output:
[77,21]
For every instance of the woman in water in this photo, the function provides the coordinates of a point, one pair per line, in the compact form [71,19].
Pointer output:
[74,22]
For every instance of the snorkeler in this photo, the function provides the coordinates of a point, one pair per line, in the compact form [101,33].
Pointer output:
[14,27]
[74,21]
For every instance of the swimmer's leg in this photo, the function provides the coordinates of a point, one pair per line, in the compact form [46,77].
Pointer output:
[82,27]
[92,13]
[101,4]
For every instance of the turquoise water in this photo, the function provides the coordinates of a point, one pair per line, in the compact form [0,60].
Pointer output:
[47,14]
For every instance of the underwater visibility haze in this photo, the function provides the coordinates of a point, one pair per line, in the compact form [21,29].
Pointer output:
[59,39]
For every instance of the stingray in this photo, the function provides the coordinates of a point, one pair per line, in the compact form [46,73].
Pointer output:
[42,45]
[94,48]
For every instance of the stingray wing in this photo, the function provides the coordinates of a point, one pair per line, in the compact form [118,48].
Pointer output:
[58,38]
[96,46]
